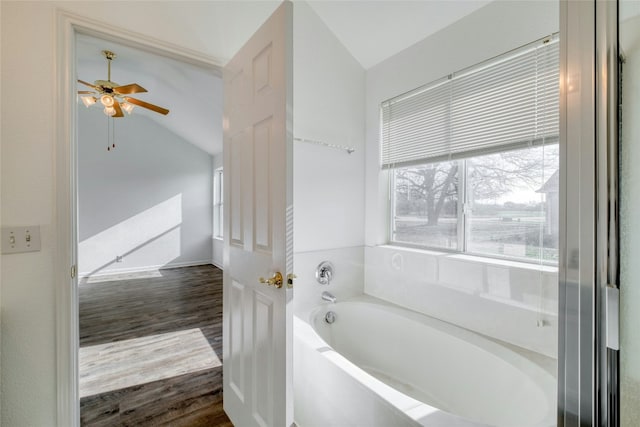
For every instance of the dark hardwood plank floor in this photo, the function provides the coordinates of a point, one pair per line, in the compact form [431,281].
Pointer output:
[151,349]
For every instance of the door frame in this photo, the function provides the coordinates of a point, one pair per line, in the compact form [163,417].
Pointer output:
[589,242]
[68,25]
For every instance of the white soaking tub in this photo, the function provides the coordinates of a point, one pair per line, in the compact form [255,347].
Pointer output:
[381,365]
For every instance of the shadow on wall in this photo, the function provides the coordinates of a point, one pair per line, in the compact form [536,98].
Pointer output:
[157,229]
[146,203]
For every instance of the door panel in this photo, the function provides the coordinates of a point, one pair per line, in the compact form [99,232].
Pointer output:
[236,339]
[257,320]
[262,71]
[262,352]
[235,195]
[262,179]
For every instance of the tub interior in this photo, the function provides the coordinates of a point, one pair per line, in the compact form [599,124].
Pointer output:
[444,366]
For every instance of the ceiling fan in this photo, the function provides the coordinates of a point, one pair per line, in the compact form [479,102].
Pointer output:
[113,96]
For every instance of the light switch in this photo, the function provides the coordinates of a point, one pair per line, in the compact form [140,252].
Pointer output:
[20,239]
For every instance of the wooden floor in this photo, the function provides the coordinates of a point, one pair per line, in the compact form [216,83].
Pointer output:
[151,349]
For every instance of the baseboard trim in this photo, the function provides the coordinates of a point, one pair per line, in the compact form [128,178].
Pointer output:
[87,275]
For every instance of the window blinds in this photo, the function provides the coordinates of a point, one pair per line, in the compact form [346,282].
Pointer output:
[509,102]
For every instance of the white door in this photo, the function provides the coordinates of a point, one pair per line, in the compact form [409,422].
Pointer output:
[258,156]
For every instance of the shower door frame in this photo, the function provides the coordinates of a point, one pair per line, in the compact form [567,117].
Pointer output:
[588,268]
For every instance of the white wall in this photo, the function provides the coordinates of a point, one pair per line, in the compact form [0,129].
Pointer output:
[629,219]
[328,96]
[217,244]
[28,294]
[503,300]
[148,200]
[27,37]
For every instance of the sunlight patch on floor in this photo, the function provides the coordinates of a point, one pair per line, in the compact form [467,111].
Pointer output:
[111,277]
[116,365]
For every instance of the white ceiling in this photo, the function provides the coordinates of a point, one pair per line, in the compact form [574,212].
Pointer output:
[371,31]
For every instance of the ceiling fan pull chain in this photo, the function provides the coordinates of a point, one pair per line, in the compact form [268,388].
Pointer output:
[108,133]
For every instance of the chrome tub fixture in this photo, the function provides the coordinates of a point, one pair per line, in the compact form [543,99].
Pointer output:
[328,296]
[324,273]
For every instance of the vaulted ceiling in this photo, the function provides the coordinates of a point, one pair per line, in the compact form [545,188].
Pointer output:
[371,31]
[192,94]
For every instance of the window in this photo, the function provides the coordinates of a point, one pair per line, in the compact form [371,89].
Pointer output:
[512,204]
[426,205]
[218,203]
[473,158]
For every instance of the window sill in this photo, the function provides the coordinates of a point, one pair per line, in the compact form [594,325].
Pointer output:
[545,268]
[217,238]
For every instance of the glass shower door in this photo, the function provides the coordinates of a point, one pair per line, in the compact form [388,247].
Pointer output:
[629,39]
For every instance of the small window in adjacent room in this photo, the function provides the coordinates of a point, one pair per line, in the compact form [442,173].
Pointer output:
[218,203]
[473,158]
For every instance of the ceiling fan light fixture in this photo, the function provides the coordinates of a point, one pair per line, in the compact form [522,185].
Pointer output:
[107,100]
[114,97]
[127,107]
[88,101]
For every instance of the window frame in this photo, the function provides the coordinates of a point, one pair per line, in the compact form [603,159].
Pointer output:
[218,203]
[462,223]
[402,107]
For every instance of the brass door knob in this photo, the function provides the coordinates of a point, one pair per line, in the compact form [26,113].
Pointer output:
[276,280]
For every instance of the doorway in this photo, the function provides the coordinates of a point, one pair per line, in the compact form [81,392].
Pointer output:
[150,302]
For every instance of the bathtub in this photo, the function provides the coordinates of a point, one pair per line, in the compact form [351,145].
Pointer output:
[381,365]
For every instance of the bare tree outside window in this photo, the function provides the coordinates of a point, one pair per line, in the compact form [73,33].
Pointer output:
[426,204]
[510,204]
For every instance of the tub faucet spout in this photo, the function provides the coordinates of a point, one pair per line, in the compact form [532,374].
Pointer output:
[328,296]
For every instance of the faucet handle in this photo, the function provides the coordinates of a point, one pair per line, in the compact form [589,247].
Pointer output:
[324,273]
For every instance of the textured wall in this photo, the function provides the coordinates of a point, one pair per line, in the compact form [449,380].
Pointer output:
[328,97]
[328,85]
[148,200]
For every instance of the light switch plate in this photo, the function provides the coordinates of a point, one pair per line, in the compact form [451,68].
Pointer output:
[20,239]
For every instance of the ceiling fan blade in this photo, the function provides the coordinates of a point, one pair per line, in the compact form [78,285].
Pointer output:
[116,106]
[86,92]
[128,89]
[147,105]
[87,84]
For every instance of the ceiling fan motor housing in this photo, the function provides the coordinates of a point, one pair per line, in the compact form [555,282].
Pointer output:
[106,86]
